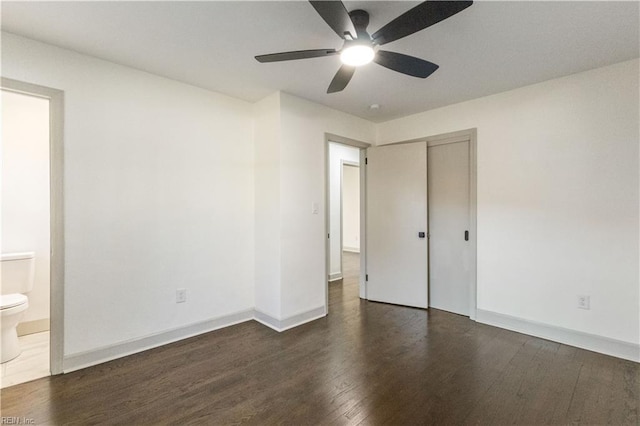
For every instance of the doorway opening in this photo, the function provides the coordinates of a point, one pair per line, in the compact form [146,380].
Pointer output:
[350,201]
[32,255]
[344,217]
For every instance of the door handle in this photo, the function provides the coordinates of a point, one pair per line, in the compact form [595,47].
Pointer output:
[466,235]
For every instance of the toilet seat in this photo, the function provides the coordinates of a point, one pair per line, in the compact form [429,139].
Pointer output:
[12,300]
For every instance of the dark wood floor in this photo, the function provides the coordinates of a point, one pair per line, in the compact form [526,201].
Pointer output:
[366,363]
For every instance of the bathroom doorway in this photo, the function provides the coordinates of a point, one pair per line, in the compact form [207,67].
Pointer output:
[32,227]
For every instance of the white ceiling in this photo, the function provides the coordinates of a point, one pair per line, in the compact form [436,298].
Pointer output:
[488,48]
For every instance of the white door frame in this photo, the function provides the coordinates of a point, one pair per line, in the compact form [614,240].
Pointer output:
[468,135]
[56,181]
[332,138]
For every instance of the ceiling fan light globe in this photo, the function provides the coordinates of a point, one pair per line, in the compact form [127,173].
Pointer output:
[357,55]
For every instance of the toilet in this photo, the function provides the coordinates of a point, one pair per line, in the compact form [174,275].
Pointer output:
[17,279]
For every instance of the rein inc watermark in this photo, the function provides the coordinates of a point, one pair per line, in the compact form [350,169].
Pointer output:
[17,420]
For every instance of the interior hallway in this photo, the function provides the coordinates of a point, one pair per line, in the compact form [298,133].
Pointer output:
[346,290]
[365,363]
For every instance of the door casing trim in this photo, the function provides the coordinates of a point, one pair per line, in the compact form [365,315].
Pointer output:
[333,138]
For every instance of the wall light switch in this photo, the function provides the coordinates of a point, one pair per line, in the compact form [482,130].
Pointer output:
[315,208]
[181,295]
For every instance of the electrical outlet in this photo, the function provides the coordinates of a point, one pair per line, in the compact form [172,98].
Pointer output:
[181,295]
[584,301]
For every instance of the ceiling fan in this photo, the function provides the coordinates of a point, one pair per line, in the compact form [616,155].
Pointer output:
[360,48]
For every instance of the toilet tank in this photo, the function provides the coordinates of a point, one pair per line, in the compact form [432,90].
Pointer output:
[17,273]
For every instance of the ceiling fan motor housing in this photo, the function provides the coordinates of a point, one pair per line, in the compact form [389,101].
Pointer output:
[360,19]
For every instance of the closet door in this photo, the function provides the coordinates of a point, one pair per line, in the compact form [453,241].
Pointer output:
[449,274]
[397,266]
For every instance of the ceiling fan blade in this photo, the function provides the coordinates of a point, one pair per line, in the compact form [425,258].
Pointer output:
[405,64]
[335,14]
[420,17]
[298,54]
[341,79]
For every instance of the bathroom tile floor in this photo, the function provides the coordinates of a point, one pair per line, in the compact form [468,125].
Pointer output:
[31,364]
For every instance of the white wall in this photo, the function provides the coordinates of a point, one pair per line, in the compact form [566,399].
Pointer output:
[337,154]
[351,208]
[267,204]
[304,125]
[25,190]
[289,179]
[557,197]
[159,194]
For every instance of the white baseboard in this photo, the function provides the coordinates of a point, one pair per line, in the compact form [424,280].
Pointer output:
[80,360]
[335,276]
[580,339]
[31,327]
[351,249]
[290,322]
